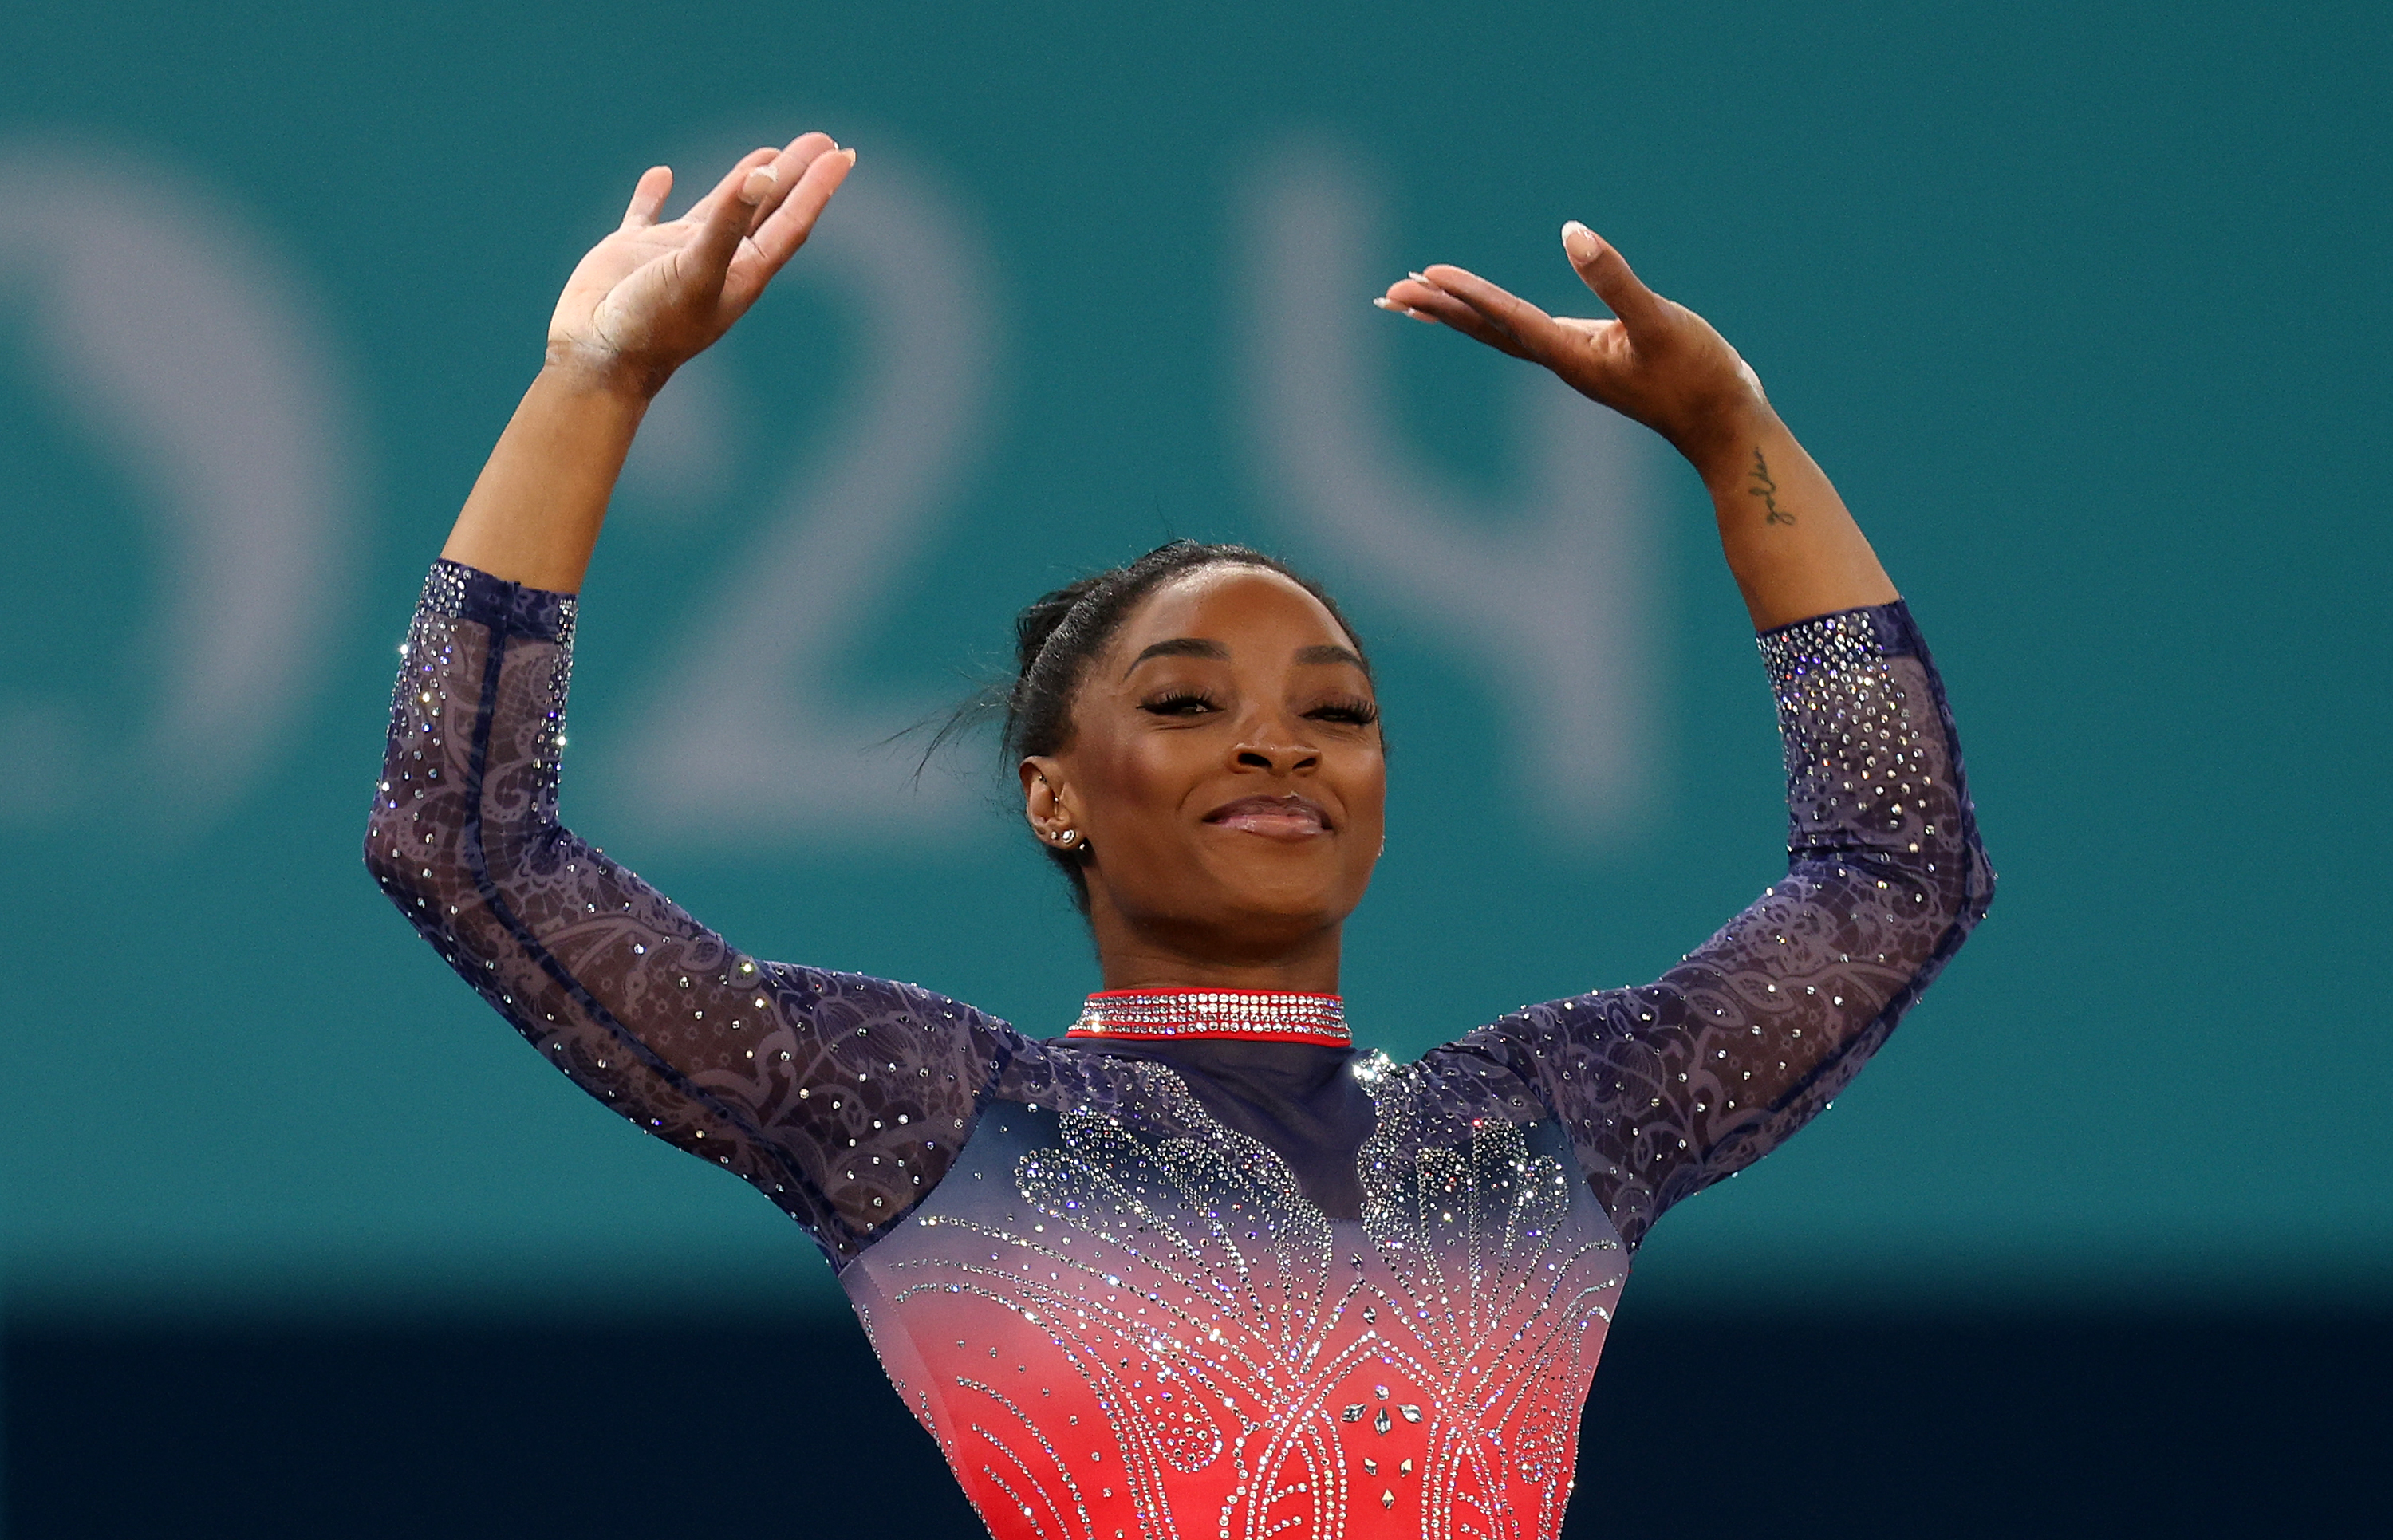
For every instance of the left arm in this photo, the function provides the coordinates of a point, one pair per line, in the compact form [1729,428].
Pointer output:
[1666,1089]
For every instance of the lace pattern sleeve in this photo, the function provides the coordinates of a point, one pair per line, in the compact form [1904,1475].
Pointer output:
[841,1098]
[1668,1087]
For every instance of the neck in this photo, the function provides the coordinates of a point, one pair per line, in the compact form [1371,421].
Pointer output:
[1131,958]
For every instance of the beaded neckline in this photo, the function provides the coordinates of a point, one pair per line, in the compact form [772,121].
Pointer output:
[1252,1015]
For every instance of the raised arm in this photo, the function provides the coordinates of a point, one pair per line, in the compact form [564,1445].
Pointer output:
[1667,1087]
[841,1098]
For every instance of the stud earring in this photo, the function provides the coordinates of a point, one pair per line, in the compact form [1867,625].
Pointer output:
[1065,837]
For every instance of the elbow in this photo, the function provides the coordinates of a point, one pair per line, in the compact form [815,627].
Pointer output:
[1958,883]
[423,878]
[1960,871]
[385,863]
[1945,859]
[415,857]
[1978,881]
[1961,882]
[1943,882]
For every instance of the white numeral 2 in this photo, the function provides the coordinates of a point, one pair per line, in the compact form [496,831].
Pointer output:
[746,736]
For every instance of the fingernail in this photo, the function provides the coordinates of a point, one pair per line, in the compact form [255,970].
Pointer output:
[1418,278]
[851,158]
[1385,304]
[1580,242]
[753,189]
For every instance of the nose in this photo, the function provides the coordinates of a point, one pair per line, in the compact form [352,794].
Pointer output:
[1274,749]
[1277,760]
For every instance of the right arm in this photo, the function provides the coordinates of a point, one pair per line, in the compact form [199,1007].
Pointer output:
[841,1098]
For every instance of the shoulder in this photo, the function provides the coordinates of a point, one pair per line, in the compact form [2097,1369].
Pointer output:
[1554,1045]
[862,999]
[911,1028]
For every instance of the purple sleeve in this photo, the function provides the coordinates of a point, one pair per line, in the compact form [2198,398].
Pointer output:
[841,1098]
[1666,1089]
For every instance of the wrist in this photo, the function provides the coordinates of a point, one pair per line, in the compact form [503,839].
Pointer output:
[1721,444]
[585,371]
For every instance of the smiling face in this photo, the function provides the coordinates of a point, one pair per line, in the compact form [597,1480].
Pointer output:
[1225,768]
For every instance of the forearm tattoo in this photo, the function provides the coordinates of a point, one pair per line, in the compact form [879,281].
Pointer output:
[1767,489]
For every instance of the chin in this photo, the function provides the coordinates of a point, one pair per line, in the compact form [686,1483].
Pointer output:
[1297,899]
[1253,900]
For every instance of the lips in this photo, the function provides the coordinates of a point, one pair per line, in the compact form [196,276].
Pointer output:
[1284,817]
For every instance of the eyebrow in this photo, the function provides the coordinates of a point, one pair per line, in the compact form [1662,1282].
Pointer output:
[1200,646]
[1329,654]
[1179,646]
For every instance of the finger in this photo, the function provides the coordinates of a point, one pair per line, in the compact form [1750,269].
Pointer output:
[1535,331]
[647,198]
[1493,301]
[722,218]
[778,238]
[1423,299]
[698,214]
[1602,268]
[789,165]
[1420,296]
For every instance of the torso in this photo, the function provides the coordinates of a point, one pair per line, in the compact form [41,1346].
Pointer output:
[1121,1318]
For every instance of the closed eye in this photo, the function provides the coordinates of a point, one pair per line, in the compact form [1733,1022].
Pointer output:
[1179,703]
[1357,712]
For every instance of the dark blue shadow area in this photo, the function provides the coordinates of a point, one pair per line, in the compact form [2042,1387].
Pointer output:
[1700,1425]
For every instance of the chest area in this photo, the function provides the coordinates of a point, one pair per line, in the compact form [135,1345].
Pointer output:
[1132,1310]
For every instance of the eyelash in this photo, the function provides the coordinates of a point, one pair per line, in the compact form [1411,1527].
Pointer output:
[1169,703]
[1355,713]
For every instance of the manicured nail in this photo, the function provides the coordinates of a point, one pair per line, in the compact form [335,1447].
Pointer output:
[757,183]
[1418,278]
[1580,243]
[851,158]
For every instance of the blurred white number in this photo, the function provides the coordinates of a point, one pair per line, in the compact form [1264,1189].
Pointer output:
[1551,594]
[184,345]
[747,734]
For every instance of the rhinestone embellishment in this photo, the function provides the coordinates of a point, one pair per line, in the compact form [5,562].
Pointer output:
[1264,1014]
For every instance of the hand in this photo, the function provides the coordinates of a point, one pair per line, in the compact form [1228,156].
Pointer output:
[652,296]
[1659,362]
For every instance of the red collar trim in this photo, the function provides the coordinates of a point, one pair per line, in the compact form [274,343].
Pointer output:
[1249,1015]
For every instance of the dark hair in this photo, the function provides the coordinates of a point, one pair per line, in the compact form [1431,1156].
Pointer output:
[1057,635]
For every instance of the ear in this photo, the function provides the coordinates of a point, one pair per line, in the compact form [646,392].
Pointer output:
[1044,804]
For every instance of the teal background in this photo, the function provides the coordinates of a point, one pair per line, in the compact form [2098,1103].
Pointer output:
[2083,308]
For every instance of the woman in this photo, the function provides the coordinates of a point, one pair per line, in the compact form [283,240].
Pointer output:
[1197,1267]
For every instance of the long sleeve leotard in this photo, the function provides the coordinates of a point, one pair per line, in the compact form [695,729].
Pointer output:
[1204,1287]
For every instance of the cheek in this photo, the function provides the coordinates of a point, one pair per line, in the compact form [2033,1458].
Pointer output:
[1364,783]
[1138,782]
[1370,805]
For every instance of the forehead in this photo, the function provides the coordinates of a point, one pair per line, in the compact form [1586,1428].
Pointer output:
[1227,603]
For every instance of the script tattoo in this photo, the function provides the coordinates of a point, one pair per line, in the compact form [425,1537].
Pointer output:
[1767,489]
